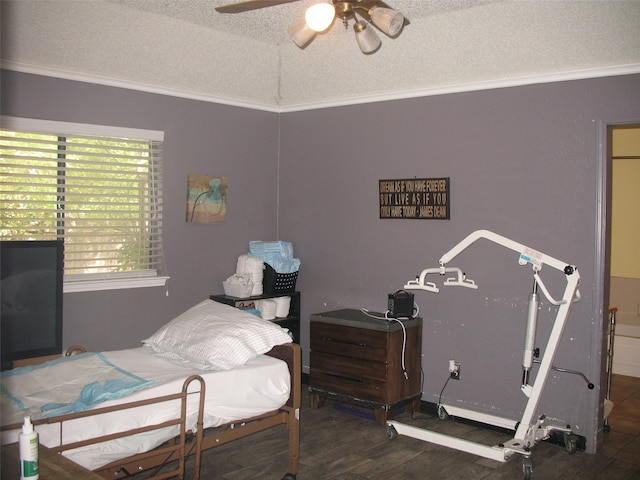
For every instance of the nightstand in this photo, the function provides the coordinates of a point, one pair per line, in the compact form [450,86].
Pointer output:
[358,359]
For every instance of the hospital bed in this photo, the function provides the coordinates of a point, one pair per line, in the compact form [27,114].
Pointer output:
[212,375]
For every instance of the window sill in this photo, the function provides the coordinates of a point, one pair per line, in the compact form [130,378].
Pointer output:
[114,284]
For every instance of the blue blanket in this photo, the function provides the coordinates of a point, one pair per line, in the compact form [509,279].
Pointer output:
[67,385]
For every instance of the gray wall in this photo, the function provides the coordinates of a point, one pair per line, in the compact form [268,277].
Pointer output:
[523,162]
[200,138]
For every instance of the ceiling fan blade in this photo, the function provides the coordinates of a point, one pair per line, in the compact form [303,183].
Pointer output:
[247,5]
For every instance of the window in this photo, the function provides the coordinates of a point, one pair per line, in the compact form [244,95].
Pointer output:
[97,188]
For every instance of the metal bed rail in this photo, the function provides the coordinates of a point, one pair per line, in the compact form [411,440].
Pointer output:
[174,449]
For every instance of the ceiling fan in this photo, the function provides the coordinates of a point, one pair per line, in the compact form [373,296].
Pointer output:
[247,5]
[320,17]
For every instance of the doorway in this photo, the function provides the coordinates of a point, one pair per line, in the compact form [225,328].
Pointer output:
[603,252]
[602,249]
[624,268]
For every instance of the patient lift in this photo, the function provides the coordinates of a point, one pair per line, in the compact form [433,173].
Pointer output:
[529,430]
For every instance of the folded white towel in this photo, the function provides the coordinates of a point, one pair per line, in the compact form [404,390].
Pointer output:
[267,308]
[253,266]
[242,261]
[258,289]
[283,304]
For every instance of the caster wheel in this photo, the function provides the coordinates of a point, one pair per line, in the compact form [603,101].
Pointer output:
[442,413]
[527,468]
[289,476]
[570,443]
[392,432]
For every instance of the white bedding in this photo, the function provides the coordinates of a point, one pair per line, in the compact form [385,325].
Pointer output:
[259,386]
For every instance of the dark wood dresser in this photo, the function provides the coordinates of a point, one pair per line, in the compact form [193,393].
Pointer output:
[365,361]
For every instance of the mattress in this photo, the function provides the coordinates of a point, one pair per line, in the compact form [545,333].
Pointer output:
[258,387]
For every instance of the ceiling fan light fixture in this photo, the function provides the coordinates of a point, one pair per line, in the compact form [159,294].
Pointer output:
[387,20]
[301,33]
[368,40]
[320,16]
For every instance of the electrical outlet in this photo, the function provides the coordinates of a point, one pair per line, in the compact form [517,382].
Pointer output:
[456,372]
[454,369]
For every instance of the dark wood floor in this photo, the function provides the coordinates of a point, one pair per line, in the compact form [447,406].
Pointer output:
[339,445]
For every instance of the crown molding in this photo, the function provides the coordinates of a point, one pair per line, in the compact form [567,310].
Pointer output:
[610,71]
[129,85]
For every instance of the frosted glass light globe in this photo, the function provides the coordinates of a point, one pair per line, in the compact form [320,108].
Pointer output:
[320,16]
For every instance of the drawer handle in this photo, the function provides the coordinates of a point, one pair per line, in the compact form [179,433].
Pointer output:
[329,339]
[344,377]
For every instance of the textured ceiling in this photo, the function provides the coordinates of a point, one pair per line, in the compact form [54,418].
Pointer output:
[185,47]
[270,24]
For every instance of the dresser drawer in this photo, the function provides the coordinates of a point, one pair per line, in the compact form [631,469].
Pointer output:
[345,367]
[348,376]
[348,387]
[348,341]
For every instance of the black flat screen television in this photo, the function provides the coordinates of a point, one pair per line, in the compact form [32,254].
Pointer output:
[31,284]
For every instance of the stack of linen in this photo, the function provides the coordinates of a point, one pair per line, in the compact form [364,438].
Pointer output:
[249,265]
[272,308]
[278,254]
[283,305]
[267,308]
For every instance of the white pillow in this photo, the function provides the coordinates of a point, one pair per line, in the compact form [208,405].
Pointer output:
[215,336]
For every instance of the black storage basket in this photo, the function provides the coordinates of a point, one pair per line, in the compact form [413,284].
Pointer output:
[274,283]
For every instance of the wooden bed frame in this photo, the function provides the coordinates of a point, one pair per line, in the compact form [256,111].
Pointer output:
[188,443]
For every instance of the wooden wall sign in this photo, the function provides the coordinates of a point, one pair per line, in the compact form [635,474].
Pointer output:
[418,198]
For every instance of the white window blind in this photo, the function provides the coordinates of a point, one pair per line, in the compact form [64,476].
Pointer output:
[98,188]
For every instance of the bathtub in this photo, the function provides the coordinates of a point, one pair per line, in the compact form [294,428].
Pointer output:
[626,350]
